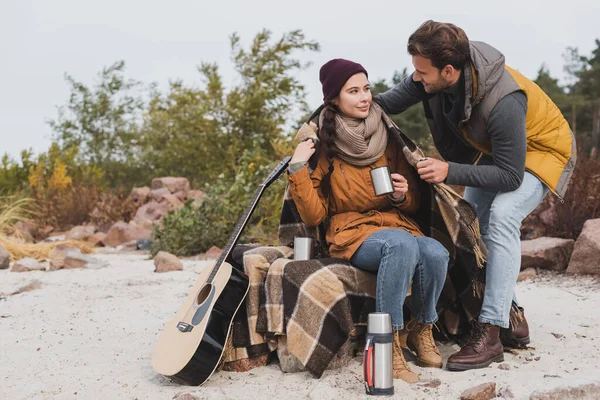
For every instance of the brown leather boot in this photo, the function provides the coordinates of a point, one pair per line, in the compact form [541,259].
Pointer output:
[517,337]
[420,340]
[401,369]
[482,349]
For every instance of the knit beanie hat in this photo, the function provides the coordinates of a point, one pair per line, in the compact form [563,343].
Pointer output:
[334,74]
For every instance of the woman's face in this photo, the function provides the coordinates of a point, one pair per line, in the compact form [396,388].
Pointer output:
[355,97]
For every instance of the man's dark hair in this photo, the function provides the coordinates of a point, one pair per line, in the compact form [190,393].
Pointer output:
[441,43]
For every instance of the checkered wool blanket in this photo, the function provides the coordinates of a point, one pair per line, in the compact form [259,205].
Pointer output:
[318,303]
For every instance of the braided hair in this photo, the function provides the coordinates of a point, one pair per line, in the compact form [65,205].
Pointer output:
[327,136]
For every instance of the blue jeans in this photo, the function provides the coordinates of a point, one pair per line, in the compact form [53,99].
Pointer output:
[399,257]
[500,215]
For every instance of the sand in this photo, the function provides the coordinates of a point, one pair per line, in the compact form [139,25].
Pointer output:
[88,334]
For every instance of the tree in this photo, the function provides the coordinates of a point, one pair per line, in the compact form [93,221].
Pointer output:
[412,121]
[102,122]
[553,89]
[203,133]
[584,92]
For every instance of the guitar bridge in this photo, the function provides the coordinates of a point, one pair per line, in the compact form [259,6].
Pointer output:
[184,327]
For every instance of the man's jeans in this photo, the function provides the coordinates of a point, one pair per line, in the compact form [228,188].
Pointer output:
[400,257]
[500,216]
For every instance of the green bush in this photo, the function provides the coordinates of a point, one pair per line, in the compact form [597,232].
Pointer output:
[194,229]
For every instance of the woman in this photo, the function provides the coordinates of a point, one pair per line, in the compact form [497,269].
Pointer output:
[373,232]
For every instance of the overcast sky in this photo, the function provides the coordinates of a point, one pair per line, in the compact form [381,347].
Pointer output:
[161,41]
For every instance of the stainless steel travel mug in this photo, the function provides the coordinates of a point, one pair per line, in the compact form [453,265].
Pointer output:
[304,248]
[382,180]
[378,369]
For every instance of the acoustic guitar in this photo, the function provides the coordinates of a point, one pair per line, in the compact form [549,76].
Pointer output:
[191,344]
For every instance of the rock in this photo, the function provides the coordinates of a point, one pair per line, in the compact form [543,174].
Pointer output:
[81,232]
[546,253]
[144,244]
[197,195]
[485,391]
[159,194]
[150,212]
[166,262]
[246,364]
[74,259]
[587,250]
[584,392]
[122,232]
[183,196]
[27,264]
[4,258]
[139,195]
[57,256]
[45,231]
[25,230]
[128,246]
[96,239]
[33,285]
[504,367]
[55,238]
[528,273]
[506,393]
[434,383]
[172,201]
[173,184]
[213,253]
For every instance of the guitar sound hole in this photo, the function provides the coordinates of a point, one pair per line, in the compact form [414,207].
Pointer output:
[204,292]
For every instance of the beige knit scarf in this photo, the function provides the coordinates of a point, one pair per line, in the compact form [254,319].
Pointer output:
[360,141]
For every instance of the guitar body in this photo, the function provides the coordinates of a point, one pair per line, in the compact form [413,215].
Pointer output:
[192,342]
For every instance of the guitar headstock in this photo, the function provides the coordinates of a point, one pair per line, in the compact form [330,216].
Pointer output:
[277,171]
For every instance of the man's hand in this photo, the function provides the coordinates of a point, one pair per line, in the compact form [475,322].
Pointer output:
[432,170]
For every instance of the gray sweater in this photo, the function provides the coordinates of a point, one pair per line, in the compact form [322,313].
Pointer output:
[502,171]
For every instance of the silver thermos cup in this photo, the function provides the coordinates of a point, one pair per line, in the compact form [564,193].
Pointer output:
[378,370]
[304,248]
[382,180]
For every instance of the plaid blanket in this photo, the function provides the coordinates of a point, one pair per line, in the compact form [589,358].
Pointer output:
[318,303]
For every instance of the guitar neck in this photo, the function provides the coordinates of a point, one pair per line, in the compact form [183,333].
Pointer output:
[245,218]
[237,231]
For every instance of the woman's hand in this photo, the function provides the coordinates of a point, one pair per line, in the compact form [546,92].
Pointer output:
[303,152]
[400,186]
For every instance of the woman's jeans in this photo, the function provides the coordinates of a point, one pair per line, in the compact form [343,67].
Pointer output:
[500,215]
[399,257]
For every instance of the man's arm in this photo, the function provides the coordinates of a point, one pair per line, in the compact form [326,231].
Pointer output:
[401,96]
[506,127]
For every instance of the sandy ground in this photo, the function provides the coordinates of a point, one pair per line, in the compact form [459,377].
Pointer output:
[88,334]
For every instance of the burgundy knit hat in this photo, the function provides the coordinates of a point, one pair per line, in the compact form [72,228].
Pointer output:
[334,74]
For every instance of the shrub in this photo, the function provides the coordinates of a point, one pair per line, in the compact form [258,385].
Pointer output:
[581,202]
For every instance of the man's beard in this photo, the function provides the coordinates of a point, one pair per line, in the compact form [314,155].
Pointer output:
[438,86]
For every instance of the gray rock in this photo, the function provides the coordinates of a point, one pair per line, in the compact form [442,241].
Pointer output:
[485,391]
[173,184]
[584,392]
[27,264]
[546,253]
[166,262]
[4,258]
[586,255]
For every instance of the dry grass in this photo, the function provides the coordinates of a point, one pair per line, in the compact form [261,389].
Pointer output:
[40,251]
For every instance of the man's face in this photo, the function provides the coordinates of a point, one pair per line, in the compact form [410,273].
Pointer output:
[428,75]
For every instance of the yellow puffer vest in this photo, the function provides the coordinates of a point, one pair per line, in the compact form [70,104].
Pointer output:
[551,147]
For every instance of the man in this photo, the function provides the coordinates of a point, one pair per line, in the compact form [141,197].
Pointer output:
[502,138]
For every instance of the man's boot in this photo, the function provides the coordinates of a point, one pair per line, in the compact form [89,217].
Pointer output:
[420,340]
[401,369]
[483,348]
[517,338]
